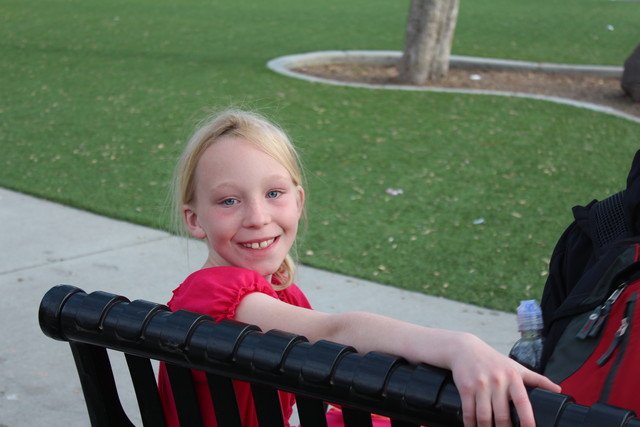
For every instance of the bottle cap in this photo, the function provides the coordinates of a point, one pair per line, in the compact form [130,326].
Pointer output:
[529,316]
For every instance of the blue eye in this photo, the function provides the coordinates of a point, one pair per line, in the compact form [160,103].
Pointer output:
[273,194]
[229,202]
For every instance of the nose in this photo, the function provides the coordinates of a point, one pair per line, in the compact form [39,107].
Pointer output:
[256,214]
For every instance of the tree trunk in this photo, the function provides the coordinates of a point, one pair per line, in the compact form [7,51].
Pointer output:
[428,40]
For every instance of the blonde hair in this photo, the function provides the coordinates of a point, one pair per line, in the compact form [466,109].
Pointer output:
[251,127]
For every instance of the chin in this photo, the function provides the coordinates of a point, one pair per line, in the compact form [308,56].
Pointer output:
[265,272]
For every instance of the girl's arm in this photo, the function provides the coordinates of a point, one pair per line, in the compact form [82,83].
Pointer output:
[486,379]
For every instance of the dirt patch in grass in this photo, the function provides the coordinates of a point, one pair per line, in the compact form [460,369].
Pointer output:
[604,91]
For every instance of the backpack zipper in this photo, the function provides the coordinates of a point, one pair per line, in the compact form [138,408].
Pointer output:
[621,340]
[597,318]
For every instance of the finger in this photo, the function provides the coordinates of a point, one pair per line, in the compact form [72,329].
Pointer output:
[521,402]
[501,409]
[468,408]
[484,409]
[533,379]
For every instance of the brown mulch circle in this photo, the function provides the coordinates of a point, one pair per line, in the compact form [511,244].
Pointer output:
[604,91]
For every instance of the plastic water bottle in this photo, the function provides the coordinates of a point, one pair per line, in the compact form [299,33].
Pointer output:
[528,349]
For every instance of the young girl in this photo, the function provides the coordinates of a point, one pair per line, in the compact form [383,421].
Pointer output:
[239,188]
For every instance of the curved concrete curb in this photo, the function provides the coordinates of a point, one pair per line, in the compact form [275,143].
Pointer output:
[285,65]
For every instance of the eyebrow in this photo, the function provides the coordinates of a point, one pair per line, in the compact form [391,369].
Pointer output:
[232,184]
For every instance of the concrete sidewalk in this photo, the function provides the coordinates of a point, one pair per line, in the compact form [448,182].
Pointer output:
[45,244]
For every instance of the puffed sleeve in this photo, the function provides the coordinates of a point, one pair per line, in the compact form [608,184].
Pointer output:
[217,291]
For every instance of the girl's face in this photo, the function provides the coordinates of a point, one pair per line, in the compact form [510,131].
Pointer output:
[246,206]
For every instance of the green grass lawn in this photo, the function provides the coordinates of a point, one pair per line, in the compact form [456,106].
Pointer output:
[98,98]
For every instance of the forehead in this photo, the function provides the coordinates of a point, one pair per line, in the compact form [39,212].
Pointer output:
[228,149]
[237,157]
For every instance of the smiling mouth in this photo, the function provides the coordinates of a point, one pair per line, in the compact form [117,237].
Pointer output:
[259,245]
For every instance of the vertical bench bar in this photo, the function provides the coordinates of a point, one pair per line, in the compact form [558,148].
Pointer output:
[356,418]
[98,386]
[224,401]
[184,395]
[267,404]
[146,388]
[312,412]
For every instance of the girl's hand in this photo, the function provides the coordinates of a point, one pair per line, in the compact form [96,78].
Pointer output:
[488,381]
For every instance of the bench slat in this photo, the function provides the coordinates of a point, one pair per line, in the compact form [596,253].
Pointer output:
[267,405]
[311,411]
[146,388]
[99,386]
[184,395]
[224,401]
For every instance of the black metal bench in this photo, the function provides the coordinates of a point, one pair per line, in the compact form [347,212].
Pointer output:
[411,395]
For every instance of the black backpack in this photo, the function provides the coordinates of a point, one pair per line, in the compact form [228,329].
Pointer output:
[597,254]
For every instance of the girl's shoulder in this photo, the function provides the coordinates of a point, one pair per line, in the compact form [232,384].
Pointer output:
[217,291]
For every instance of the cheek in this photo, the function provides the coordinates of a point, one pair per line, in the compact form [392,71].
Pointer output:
[220,226]
[293,220]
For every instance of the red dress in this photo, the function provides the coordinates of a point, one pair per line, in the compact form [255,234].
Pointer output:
[217,292]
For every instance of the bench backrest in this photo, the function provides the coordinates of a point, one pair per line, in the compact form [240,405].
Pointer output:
[411,395]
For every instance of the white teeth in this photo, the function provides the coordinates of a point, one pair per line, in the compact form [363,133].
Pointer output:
[260,245]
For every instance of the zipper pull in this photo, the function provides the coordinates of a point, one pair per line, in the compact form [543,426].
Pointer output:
[617,339]
[583,333]
[598,318]
[604,313]
[606,309]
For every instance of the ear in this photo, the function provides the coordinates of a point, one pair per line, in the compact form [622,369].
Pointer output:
[191,221]
[301,199]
